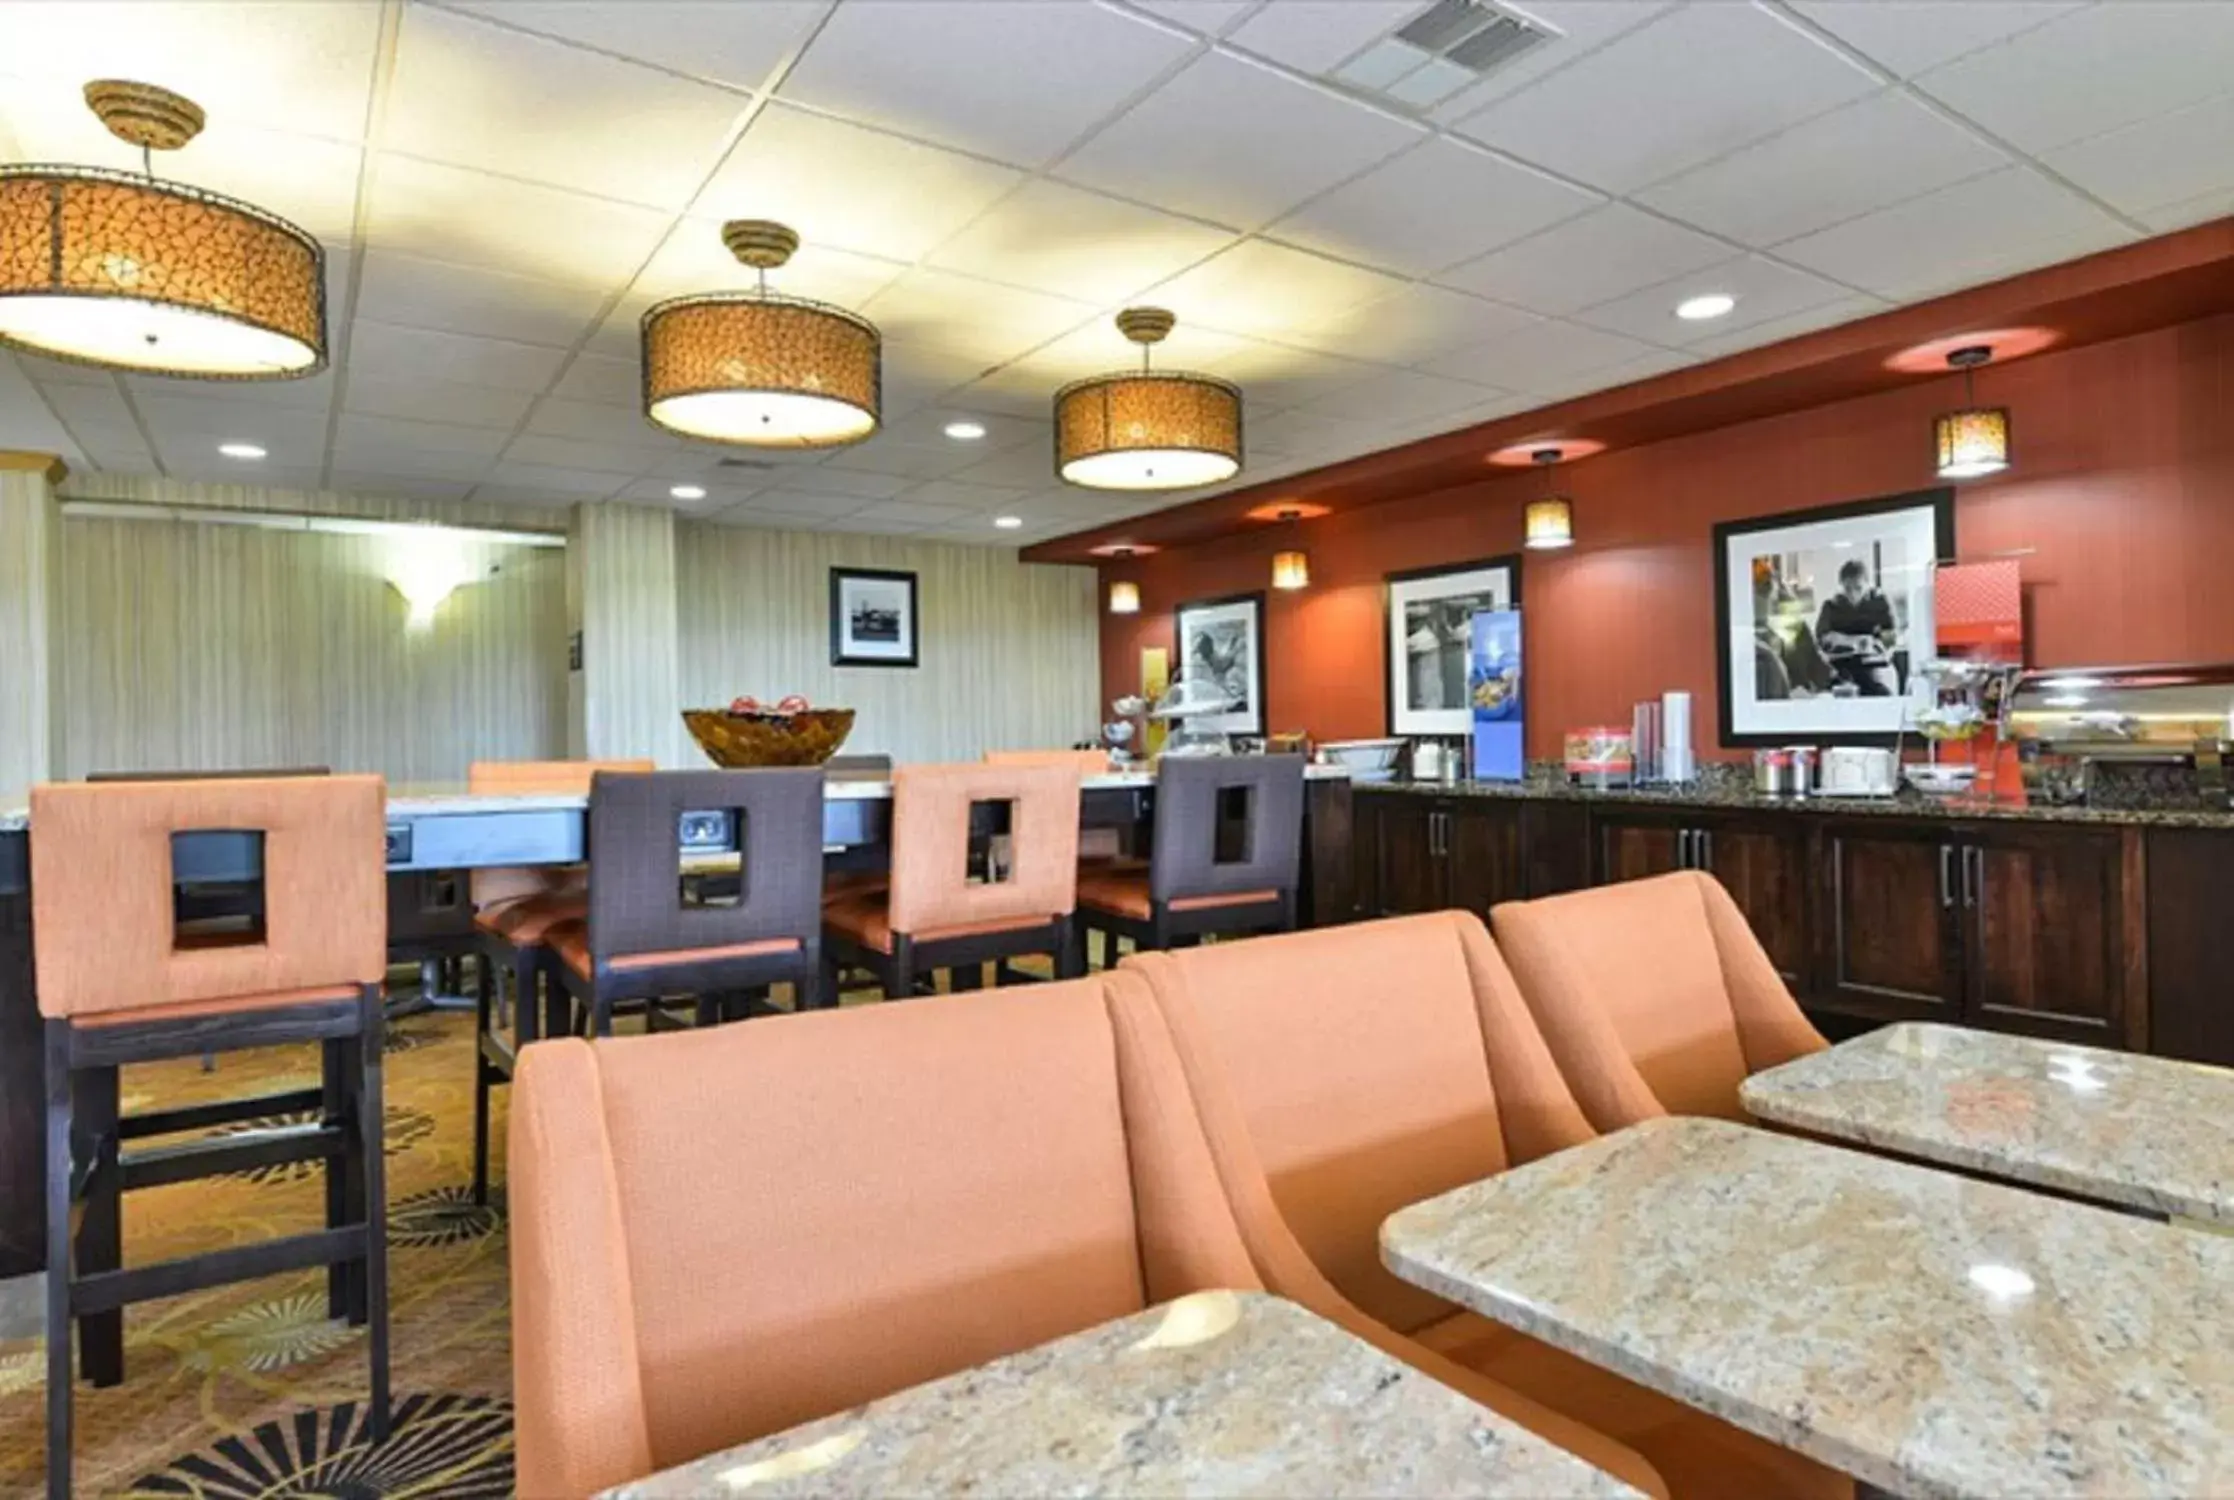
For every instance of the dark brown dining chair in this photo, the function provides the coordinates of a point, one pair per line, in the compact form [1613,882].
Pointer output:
[123,979]
[1226,857]
[655,930]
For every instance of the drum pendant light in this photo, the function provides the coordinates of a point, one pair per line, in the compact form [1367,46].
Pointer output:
[1147,429]
[128,272]
[1974,441]
[758,369]
[1550,522]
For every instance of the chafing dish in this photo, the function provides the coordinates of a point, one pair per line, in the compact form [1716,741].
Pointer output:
[2167,729]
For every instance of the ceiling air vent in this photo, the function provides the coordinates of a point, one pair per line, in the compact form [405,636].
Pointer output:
[1441,50]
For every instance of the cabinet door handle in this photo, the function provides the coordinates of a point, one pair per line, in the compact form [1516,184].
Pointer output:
[1974,875]
[1702,847]
[1946,877]
[1683,848]
[1435,833]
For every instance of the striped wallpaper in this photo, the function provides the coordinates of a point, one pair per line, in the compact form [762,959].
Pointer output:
[28,526]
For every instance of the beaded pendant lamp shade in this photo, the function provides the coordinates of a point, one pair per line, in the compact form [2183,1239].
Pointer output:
[1548,523]
[1974,441]
[758,369]
[1147,429]
[132,273]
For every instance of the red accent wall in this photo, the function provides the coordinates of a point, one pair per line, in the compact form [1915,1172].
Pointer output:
[2122,483]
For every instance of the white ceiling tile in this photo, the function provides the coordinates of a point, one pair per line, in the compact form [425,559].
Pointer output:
[1776,330]
[1234,142]
[1308,434]
[595,422]
[717,40]
[865,524]
[1543,357]
[306,69]
[482,96]
[603,379]
[588,457]
[114,446]
[1764,291]
[2193,211]
[850,187]
[960,496]
[94,405]
[970,318]
[201,468]
[659,490]
[418,293]
[1628,372]
[778,501]
[1413,325]
[1210,17]
[2168,160]
[927,428]
[1974,231]
[533,478]
[1032,464]
[1909,36]
[473,219]
[359,439]
[306,393]
[436,401]
[1013,82]
[1633,113]
[1311,36]
[192,427]
[309,182]
[1269,290]
[857,484]
[1399,396]
[1578,27]
[1439,203]
[1273,377]
[912,513]
[49,372]
[529,496]
[908,461]
[1056,238]
[1587,260]
[2092,71]
[1880,151]
[409,486]
[722,463]
[367,457]
[388,352]
[916,373]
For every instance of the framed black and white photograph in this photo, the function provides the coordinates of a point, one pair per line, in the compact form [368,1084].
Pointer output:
[1222,641]
[872,618]
[1430,614]
[1824,618]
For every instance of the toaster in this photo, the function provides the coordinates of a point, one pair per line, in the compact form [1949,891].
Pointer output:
[1856,771]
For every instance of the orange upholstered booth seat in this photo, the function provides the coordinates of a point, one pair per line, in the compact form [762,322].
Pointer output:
[720,1234]
[524,904]
[1654,995]
[1344,1073]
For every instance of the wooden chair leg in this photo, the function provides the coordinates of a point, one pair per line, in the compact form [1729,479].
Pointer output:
[101,1226]
[371,1113]
[61,1378]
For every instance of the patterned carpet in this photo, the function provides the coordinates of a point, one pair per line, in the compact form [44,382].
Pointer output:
[250,1390]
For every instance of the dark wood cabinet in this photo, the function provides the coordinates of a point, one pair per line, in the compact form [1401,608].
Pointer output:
[2191,943]
[1635,843]
[1763,861]
[1409,874]
[1554,847]
[2053,932]
[1482,861]
[1889,946]
[1429,853]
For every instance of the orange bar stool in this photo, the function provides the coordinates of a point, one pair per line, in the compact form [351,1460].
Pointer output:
[1654,995]
[652,931]
[514,911]
[1226,857]
[936,914]
[119,982]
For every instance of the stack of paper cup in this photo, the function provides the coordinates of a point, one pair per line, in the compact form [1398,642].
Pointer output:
[1675,737]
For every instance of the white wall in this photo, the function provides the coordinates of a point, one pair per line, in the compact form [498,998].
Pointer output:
[1010,652]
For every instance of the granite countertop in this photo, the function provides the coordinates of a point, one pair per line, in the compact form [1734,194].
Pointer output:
[1221,1393]
[1736,794]
[2147,1132]
[1933,1335]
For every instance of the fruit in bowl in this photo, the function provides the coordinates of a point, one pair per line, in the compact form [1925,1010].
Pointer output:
[789,732]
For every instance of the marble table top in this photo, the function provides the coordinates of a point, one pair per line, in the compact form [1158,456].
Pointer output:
[1221,1393]
[1934,1335]
[2146,1132]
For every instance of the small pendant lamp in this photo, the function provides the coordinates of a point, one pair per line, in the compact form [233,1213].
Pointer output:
[1291,568]
[1975,440]
[1550,522]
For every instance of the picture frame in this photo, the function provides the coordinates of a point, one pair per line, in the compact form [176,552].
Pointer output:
[873,620]
[1225,638]
[1424,680]
[1823,617]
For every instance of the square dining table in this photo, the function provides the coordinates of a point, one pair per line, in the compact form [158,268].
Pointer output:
[1931,1334]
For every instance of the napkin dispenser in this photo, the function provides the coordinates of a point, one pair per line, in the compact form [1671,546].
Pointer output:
[1856,771]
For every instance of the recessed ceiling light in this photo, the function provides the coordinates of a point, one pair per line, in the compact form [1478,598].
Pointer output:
[1008,523]
[1699,309]
[688,492]
[240,450]
[965,432]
